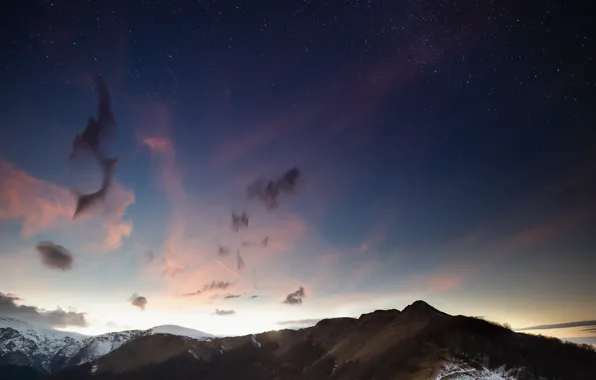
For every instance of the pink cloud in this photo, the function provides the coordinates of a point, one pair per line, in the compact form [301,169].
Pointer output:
[115,227]
[155,134]
[40,205]
[552,228]
[159,144]
[43,206]
[190,257]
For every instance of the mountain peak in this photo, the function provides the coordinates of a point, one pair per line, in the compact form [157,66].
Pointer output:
[421,308]
[29,328]
[179,330]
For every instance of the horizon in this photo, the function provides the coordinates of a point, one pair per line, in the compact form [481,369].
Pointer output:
[531,330]
[289,162]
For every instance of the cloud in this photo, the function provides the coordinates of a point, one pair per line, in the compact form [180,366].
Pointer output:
[299,322]
[149,256]
[222,251]
[43,206]
[295,298]
[268,191]
[48,318]
[168,174]
[86,202]
[239,221]
[170,268]
[115,205]
[213,285]
[254,296]
[190,294]
[217,285]
[224,312]
[590,330]
[561,325]
[55,256]
[38,204]
[230,296]
[239,262]
[138,301]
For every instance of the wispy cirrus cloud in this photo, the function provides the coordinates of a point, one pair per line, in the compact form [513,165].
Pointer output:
[590,323]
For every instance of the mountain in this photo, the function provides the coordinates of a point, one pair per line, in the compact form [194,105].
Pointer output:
[25,345]
[26,351]
[417,343]
[180,331]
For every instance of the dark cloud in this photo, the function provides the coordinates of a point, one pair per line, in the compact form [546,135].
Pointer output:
[224,312]
[86,201]
[89,140]
[263,242]
[217,285]
[192,294]
[268,191]
[214,285]
[239,221]
[104,126]
[54,256]
[223,251]
[138,301]
[299,322]
[295,298]
[239,262]
[58,318]
[590,330]
[560,325]
[230,296]
[149,256]
[254,296]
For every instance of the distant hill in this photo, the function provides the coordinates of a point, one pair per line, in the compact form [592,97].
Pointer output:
[28,351]
[417,343]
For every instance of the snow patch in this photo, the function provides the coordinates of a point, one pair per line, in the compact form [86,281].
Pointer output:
[463,371]
[193,354]
[180,331]
[254,341]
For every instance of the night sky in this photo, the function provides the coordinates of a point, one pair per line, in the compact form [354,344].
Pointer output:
[446,152]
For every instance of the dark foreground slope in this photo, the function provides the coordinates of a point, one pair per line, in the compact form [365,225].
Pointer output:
[418,343]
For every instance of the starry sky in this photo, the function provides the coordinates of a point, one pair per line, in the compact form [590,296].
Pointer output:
[446,152]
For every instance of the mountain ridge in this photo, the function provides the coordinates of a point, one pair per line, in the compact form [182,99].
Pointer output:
[46,350]
[417,343]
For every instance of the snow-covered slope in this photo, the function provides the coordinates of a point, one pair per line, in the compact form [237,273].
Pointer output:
[24,344]
[463,371]
[48,350]
[93,347]
[179,330]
